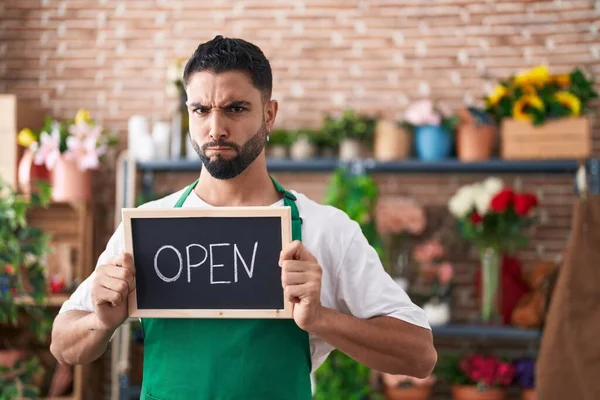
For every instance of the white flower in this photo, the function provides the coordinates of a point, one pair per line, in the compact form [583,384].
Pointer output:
[483,198]
[462,202]
[493,185]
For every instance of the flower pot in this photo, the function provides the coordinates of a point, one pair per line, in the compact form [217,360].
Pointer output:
[302,149]
[528,394]
[407,393]
[69,183]
[432,143]
[475,143]
[9,357]
[350,149]
[391,141]
[277,151]
[437,312]
[460,392]
[29,173]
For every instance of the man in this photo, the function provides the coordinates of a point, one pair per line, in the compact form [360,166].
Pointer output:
[342,296]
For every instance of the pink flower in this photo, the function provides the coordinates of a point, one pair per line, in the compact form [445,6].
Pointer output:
[422,112]
[428,251]
[398,215]
[445,273]
[83,146]
[48,150]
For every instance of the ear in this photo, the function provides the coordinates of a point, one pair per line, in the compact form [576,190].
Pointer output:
[270,113]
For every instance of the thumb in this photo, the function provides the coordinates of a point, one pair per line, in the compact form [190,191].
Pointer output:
[295,251]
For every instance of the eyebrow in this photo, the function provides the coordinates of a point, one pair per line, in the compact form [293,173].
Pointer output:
[235,103]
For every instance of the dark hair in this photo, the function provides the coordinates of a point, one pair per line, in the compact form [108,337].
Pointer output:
[226,54]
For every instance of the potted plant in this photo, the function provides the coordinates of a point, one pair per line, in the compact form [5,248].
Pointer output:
[475,134]
[433,127]
[435,281]
[492,217]
[353,131]
[303,146]
[476,376]
[22,277]
[279,143]
[543,115]
[70,151]
[325,143]
[403,387]
[525,377]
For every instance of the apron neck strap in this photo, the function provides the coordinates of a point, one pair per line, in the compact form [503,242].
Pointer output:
[288,200]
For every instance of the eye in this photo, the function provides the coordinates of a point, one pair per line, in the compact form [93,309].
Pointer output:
[200,110]
[236,109]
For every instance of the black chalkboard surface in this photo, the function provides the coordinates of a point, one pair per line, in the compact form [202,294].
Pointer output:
[207,263]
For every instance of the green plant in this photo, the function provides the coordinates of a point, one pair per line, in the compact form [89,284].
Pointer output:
[340,376]
[350,125]
[15,380]
[320,138]
[536,95]
[281,137]
[22,251]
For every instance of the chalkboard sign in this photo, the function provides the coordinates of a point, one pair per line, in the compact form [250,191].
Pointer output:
[207,263]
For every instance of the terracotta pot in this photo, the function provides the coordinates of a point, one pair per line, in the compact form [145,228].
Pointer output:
[69,183]
[475,143]
[471,393]
[408,393]
[391,141]
[28,173]
[529,394]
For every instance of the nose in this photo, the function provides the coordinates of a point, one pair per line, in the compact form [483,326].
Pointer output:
[217,129]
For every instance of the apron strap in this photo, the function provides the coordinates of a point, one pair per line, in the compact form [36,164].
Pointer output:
[288,200]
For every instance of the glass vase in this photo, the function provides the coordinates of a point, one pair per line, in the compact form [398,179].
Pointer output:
[490,286]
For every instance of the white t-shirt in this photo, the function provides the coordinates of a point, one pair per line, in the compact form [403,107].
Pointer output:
[354,281]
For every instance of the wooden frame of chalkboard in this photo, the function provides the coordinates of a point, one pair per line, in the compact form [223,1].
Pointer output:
[133,215]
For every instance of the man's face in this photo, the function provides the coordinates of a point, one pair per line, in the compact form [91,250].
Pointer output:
[228,121]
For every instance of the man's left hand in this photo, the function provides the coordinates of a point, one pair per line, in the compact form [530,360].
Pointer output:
[301,280]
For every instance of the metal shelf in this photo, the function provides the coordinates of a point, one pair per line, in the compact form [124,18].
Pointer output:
[487,332]
[370,165]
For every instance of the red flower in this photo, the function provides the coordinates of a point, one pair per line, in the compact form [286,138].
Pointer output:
[506,373]
[502,200]
[476,218]
[524,203]
[9,269]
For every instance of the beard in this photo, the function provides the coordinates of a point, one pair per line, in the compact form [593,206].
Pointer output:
[227,168]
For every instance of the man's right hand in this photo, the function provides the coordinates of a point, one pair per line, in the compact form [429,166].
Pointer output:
[110,289]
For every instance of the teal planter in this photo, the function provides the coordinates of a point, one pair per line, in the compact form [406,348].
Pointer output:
[432,143]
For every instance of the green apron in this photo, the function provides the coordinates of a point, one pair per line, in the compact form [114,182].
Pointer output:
[227,359]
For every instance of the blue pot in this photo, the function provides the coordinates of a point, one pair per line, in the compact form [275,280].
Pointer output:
[432,142]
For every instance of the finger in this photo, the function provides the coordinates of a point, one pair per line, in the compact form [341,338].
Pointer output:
[295,251]
[122,274]
[108,296]
[118,285]
[123,260]
[294,278]
[294,293]
[295,266]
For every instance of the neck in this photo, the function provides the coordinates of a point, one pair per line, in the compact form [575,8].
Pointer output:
[253,187]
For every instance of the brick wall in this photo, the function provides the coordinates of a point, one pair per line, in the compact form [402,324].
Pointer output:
[376,56]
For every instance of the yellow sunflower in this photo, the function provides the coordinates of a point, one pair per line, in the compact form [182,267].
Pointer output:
[497,94]
[25,137]
[562,80]
[521,105]
[537,76]
[570,101]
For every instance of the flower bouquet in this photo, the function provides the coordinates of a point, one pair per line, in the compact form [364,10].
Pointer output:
[542,114]
[492,217]
[476,376]
[436,279]
[68,151]
[432,125]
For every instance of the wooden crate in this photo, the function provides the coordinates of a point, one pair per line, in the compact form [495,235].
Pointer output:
[565,138]
[15,114]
